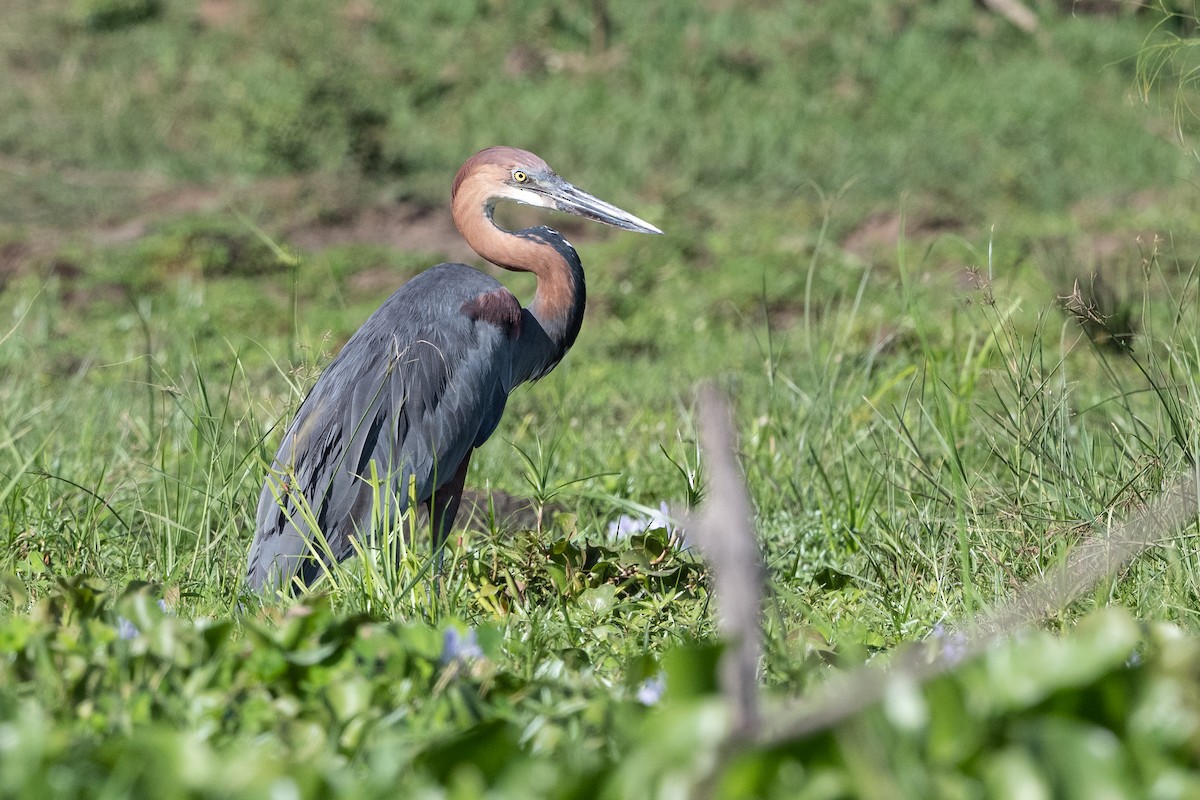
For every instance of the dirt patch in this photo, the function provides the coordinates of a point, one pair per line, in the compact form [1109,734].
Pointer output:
[1095,212]
[13,258]
[309,212]
[512,513]
[158,206]
[221,14]
[882,231]
[373,281]
[401,226]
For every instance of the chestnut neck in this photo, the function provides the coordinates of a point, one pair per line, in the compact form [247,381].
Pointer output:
[559,301]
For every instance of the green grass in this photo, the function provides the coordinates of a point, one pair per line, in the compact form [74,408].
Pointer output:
[878,215]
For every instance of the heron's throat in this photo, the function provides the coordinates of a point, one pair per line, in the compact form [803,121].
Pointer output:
[559,301]
[561,296]
[553,319]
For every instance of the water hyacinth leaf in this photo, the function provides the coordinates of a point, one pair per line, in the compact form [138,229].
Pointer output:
[418,640]
[77,597]
[18,593]
[654,542]
[692,670]
[349,696]
[954,733]
[832,579]
[488,747]
[564,548]
[1167,716]
[599,599]
[634,558]
[1012,772]
[905,705]
[558,576]
[1030,670]
[1085,762]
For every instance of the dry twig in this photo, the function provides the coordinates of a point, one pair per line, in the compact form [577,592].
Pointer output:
[724,532]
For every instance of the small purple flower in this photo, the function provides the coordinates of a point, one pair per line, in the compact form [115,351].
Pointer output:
[953,646]
[652,689]
[126,629]
[457,647]
[625,526]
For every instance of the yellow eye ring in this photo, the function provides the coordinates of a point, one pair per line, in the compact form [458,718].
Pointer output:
[519,176]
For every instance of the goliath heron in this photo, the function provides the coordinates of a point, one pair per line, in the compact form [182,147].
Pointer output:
[424,381]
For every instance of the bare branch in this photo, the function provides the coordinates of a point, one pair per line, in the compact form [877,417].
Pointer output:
[724,532]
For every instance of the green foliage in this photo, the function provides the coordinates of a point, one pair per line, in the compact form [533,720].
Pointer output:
[151,704]
[943,267]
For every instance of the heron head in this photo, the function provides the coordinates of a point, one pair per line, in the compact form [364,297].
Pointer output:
[523,177]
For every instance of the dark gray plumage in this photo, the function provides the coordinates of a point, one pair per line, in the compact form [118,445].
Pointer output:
[395,394]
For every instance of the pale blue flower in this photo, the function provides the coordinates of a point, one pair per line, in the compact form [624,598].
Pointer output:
[459,647]
[953,645]
[627,525]
[126,629]
[652,689]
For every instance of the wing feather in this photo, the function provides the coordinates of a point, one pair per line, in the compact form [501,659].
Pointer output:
[414,390]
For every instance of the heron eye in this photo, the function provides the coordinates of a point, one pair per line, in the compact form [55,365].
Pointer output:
[519,176]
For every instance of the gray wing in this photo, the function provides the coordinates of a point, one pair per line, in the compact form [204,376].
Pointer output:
[413,391]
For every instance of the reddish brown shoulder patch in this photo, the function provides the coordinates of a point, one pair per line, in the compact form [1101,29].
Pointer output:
[499,308]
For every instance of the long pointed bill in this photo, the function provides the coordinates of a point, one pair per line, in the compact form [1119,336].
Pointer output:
[576,201]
